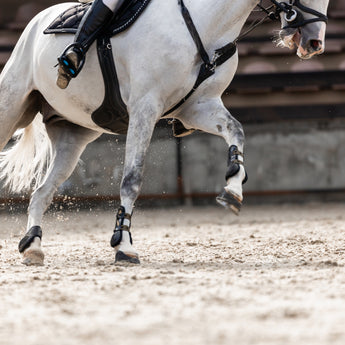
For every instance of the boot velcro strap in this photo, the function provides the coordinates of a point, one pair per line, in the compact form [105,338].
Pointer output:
[127,216]
[237,152]
[117,236]
[121,216]
[122,228]
[237,161]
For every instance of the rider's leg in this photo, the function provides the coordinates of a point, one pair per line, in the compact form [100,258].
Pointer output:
[94,21]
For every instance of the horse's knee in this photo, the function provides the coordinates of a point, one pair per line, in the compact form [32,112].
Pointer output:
[234,126]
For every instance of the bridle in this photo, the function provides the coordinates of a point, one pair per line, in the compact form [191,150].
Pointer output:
[293,13]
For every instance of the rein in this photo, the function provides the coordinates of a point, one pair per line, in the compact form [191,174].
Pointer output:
[208,68]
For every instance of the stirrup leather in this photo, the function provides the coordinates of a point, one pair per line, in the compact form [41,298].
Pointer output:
[69,68]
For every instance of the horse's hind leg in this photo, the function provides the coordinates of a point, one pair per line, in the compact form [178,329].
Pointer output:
[212,117]
[68,142]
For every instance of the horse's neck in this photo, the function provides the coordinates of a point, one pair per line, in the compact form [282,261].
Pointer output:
[220,21]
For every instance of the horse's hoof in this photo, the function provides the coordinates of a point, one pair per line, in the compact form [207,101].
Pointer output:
[124,258]
[230,201]
[33,257]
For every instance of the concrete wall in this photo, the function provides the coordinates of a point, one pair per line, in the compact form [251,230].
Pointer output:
[279,157]
[299,156]
[100,169]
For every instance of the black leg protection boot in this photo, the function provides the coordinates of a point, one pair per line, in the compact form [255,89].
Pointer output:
[72,59]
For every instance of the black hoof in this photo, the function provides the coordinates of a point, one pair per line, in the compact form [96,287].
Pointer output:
[229,201]
[122,257]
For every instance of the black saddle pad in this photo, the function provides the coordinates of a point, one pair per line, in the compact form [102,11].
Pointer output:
[69,20]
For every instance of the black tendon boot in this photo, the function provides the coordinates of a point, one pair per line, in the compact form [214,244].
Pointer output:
[72,59]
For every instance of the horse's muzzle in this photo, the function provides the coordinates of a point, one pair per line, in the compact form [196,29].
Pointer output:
[311,48]
[305,48]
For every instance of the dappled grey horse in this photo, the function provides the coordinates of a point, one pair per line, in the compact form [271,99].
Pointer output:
[158,63]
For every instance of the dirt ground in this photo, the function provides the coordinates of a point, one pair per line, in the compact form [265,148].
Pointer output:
[274,275]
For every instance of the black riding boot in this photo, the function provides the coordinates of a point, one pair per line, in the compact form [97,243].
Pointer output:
[72,59]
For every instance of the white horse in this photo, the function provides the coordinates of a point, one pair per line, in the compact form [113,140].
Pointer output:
[157,63]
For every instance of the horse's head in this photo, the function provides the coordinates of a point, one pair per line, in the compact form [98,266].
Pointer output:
[303,25]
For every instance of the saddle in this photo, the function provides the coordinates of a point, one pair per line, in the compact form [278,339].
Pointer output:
[112,114]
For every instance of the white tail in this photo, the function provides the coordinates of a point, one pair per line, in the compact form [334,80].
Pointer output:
[23,165]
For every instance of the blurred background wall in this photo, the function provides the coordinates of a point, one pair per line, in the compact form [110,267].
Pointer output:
[293,113]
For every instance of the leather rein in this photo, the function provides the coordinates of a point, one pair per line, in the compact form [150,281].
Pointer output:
[292,14]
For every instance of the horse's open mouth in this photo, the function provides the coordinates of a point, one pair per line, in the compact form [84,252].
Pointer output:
[294,39]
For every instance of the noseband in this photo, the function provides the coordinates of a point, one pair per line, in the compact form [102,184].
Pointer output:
[294,16]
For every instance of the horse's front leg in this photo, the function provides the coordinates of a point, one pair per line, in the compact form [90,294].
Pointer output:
[212,117]
[141,125]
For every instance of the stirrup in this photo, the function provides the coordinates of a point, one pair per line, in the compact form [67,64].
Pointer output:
[67,65]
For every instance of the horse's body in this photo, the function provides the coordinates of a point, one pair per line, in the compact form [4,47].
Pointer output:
[157,64]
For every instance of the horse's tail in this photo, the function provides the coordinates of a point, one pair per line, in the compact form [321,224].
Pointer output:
[24,164]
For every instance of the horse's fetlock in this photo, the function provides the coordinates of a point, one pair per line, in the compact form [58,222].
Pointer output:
[235,160]
[123,223]
[28,239]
